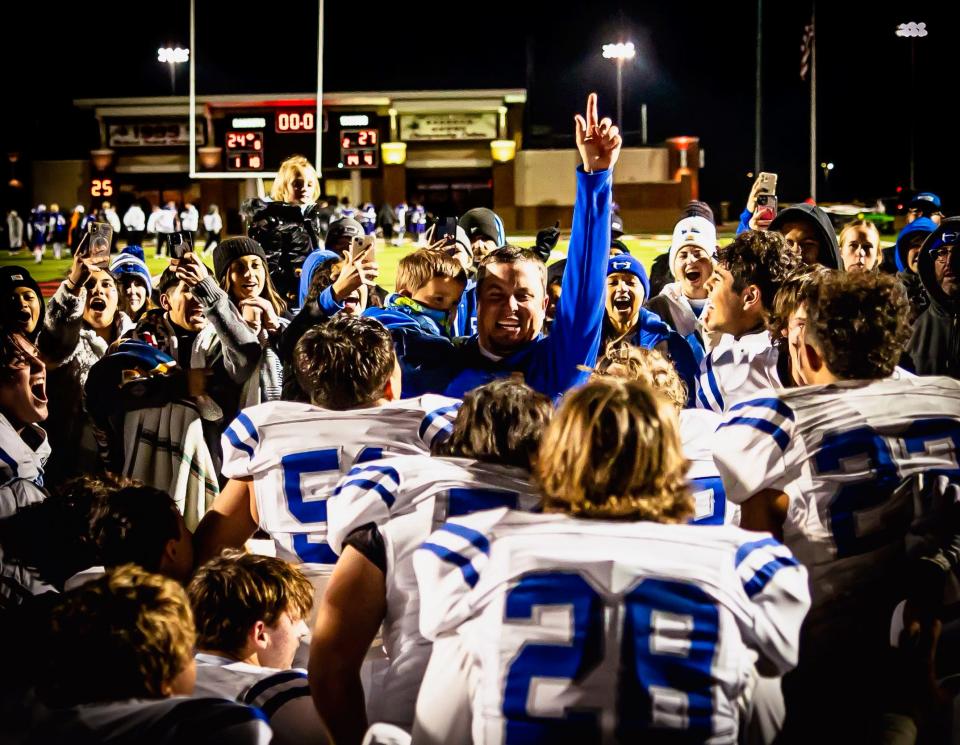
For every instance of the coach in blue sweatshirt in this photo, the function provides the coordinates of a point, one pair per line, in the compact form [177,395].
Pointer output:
[511,290]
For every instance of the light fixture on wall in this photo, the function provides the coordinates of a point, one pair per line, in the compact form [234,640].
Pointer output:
[394,153]
[503,151]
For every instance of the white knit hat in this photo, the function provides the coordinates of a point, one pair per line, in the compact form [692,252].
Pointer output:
[693,231]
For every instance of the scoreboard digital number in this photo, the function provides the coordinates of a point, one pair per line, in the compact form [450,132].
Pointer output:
[360,148]
[101,187]
[244,150]
[295,120]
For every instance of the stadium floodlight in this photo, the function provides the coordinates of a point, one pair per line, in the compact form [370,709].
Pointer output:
[912,30]
[173,56]
[619,52]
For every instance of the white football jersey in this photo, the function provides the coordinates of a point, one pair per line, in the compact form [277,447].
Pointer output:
[849,457]
[408,498]
[282,695]
[167,721]
[736,369]
[697,427]
[588,630]
[295,453]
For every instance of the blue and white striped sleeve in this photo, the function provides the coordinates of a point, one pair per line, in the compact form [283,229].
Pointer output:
[437,423]
[284,698]
[751,444]
[448,566]
[239,443]
[709,395]
[776,585]
[366,494]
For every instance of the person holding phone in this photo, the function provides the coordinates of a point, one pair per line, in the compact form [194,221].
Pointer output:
[82,320]
[240,265]
[202,329]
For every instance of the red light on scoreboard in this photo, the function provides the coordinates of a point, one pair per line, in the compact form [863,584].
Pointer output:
[355,138]
[360,148]
[295,120]
[245,142]
[245,162]
[101,187]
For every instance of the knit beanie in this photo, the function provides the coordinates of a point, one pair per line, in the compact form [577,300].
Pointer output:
[232,249]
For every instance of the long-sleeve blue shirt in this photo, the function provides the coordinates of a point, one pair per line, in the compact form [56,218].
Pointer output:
[550,363]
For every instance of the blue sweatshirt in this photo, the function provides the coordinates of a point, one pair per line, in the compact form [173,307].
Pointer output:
[549,363]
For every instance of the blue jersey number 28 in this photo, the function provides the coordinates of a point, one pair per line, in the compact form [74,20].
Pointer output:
[663,679]
[864,450]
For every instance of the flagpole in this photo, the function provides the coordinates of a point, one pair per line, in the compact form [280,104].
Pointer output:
[813,103]
[758,114]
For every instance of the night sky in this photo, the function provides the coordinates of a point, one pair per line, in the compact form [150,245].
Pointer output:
[695,70]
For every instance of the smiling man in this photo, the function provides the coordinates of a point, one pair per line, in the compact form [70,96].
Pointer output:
[741,291]
[512,297]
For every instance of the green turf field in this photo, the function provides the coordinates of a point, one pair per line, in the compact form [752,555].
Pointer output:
[387,256]
[645,248]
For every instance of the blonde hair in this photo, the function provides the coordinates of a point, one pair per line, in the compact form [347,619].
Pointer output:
[862,224]
[230,593]
[124,635]
[288,171]
[612,451]
[647,366]
[419,267]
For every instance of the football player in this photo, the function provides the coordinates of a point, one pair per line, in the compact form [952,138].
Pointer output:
[607,616]
[284,458]
[379,515]
[741,289]
[249,612]
[833,468]
[697,426]
[121,662]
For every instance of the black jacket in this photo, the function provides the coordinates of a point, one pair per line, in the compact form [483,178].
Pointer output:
[935,344]
[820,220]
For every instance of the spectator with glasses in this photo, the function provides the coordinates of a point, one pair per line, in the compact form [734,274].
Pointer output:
[935,344]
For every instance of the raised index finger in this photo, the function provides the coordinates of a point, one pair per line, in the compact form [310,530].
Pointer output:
[591,112]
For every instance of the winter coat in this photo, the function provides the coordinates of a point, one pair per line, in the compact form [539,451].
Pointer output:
[934,347]
[70,350]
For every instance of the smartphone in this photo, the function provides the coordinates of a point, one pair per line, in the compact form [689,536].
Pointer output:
[768,183]
[361,245]
[446,228]
[98,246]
[179,245]
[767,205]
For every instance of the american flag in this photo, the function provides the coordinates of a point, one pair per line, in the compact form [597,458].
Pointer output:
[806,45]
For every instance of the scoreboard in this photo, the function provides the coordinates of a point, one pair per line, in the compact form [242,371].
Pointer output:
[360,148]
[257,138]
[244,150]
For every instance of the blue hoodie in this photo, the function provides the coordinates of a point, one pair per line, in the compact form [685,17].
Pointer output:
[920,225]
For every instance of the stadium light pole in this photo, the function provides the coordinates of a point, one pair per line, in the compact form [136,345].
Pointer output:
[912,31]
[173,56]
[619,53]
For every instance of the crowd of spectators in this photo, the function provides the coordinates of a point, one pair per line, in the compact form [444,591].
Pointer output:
[271,500]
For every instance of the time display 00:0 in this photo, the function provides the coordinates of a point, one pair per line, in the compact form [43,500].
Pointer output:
[296,121]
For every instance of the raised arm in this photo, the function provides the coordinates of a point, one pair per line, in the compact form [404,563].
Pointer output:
[577,330]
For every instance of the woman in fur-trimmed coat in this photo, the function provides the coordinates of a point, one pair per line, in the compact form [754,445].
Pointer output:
[81,322]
